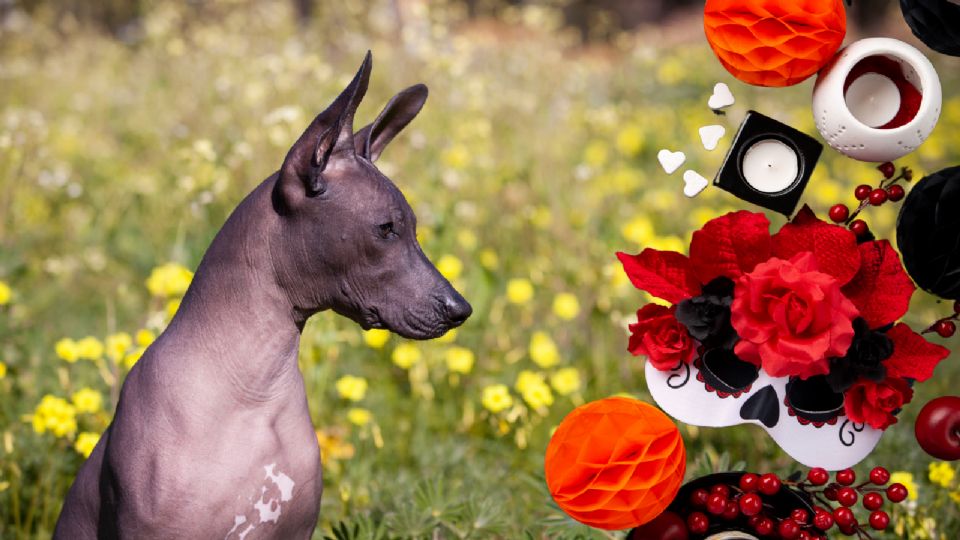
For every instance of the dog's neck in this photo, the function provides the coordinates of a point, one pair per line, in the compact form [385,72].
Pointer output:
[236,323]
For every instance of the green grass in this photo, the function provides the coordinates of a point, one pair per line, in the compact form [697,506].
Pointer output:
[116,158]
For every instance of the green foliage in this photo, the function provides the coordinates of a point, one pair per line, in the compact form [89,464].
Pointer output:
[531,161]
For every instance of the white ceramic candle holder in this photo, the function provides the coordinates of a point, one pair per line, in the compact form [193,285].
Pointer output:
[848,115]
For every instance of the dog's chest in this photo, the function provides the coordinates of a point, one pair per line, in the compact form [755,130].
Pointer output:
[264,505]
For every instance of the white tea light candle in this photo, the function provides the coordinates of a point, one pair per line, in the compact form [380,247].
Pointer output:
[770,166]
[873,99]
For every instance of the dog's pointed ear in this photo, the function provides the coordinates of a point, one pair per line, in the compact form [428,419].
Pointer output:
[402,108]
[330,134]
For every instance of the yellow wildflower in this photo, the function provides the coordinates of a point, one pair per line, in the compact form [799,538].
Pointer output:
[56,415]
[133,357]
[376,338]
[456,157]
[526,379]
[3,370]
[449,337]
[352,388]
[543,351]
[5,293]
[638,230]
[90,348]
[333,447]
[489,259]
[565,381]
[519,291]
[566,306]
[905,478]
[87,400]
[86,442]
[168,280]
[459,360]
[406,355]
[450,267]
[596,153]
[118,344]
[496,398]
[172,307]
[941,473]
[67,350]
[630,140]
[144,337]
[537,394]
[467,239]
[359,417]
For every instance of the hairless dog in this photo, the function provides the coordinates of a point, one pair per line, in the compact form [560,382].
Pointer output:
[212,436]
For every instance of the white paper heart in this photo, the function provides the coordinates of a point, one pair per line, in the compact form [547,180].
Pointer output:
[671,161]
[710,136]
[722,97]
[693,183]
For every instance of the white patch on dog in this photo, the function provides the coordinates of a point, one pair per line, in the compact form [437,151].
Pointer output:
[237,521]
[284,482]
[671,161]
[722,97]
[268,509]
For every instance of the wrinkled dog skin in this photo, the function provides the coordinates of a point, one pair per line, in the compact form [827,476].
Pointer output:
[212,437]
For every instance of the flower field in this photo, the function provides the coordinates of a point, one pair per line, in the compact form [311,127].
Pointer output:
[531,165]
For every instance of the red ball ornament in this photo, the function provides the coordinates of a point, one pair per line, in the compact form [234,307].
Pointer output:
[772,42]
[769,484]
[897,493]
[615,463]
[878,197]
[879,476]
[818,476]
[839,213]
[946,328]
[879,520]
[896,193]
[938,428]
[862,192]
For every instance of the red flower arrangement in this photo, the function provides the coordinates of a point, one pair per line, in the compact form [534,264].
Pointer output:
[807,301]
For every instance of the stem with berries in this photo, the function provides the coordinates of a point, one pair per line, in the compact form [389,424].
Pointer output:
[888,190]
[946,327]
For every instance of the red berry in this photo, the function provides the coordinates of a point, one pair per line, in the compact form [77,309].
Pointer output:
[839,213]
[769,484]
[846,477]
[844,517]
[698,499]
[751,504]
[859,227]
[878,197]
[788,529]
[945,328]
[847,496]
[716,504]
[799,515]
[896,193]
[879,476]
[879,520]
[848,530]
[818,476]
[748,482]
[862,192]
[698,523]
[720,489]
[731,512]
[823,520]
[830,493]
[896,492]
[888,169]
[872,501]
[956,306]
[763,526]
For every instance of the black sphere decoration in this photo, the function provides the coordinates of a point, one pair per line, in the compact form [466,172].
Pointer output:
[928,233]
[934,22]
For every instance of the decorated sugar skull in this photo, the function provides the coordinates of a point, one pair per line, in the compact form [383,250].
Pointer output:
[795,332]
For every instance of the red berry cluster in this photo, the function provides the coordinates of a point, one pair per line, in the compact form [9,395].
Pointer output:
[888,190]
[724,503]
[843,491]
[946,327]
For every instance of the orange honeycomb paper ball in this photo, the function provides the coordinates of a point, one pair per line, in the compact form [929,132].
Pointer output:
[774,42]
[615,463]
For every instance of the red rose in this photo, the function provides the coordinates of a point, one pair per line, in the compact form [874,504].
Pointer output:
[873,403]
[791,318]
[661,337]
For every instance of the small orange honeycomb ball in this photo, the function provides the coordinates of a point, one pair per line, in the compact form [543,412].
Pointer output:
[774,42]
[615,463]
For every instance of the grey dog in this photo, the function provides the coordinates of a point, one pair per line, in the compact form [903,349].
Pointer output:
[212,436]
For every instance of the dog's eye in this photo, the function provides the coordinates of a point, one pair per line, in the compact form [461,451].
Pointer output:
[385,230]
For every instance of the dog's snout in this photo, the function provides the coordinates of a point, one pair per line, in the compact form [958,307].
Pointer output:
[456,308]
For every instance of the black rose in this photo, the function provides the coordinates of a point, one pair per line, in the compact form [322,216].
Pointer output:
[864,358]
[707,317]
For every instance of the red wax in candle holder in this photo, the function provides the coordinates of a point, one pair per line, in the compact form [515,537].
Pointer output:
[615,463]
[772,42]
